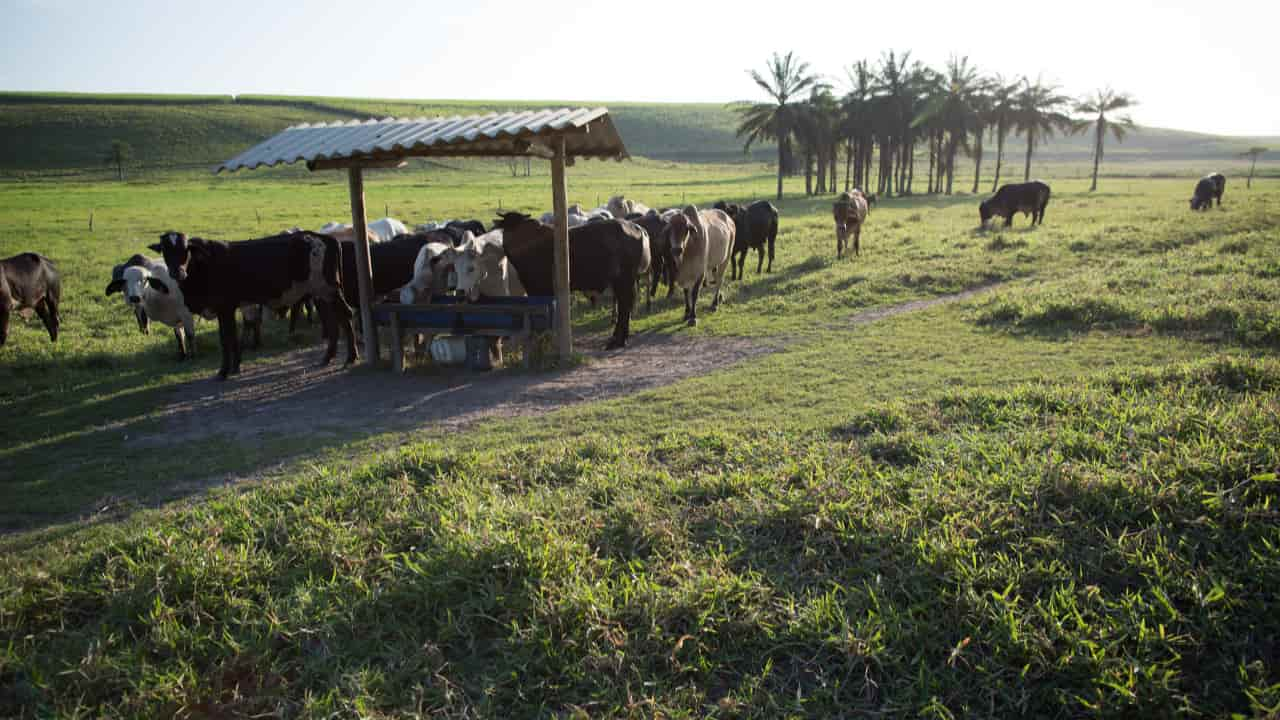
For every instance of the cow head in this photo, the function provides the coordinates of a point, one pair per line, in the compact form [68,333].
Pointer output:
[985,212]
[176,250]
[474,261]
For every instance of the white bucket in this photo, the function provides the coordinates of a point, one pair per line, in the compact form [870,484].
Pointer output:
[449,349]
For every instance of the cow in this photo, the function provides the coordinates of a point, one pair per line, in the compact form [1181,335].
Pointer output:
[277,271]
[30,281]
[755,226]
[602,255]
[430,273]
[379,231]
[139,312]
[482,267]
[147,287]
[1028,198]
[620,207]
[392,264]
[700,244]
[662,267]
[850,212]
[1209,188]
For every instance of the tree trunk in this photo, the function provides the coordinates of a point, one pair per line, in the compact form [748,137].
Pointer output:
[780,168]
[808,172]
[848,163]
[933,162]
[1031,143]
[951,162]
[1000,137]
[1248,184]
[1097,157]
[977,160]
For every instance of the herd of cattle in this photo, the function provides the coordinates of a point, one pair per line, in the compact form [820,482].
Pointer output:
[611,248]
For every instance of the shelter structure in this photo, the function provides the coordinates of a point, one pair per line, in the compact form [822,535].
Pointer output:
[558,135]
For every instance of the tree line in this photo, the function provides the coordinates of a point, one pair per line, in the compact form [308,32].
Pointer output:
[900,106]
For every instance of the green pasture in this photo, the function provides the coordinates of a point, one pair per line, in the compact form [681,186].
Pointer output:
[1055,498]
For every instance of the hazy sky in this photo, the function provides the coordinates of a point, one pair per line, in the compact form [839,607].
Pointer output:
[1208,66]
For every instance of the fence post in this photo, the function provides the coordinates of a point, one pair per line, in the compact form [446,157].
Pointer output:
[90,219]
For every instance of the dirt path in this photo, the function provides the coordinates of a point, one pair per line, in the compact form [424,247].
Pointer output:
[290,395]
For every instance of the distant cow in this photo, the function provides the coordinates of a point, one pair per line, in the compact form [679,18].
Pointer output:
[276,271]
[850,212]
[1208,189]
[621,207]
[756,226]
[700,244]
[602,255]
[30,281]
[380,230]
[1028,198]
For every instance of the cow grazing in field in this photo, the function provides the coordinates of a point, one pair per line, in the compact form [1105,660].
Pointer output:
[1209,188]
[700,244]
[662,267]
[1029,198]
[482,267]
[276,271]
[30,281]
[850,212]
[147,287]
[602,255]
[755,227]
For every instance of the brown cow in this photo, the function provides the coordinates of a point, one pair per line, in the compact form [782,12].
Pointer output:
[850,211]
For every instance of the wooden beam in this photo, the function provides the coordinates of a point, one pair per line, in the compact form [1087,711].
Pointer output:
[560,208]
[345,163]
[364,268]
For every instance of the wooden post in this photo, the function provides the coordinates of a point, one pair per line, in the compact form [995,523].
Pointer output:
[564,327]
[364,269]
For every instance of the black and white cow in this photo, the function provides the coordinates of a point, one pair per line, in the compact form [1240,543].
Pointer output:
[276,271]
[148,289]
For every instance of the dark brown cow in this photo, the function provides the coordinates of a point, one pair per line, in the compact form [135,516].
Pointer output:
[30,281]
[602,255]
[1028,198]
[1209,188]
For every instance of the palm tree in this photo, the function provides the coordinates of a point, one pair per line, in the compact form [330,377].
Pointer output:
[785,78]
[1252,153]
[1038,115]
[1099,104]
[951,109]
[1004,95]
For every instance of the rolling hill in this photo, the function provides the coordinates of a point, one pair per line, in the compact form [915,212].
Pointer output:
[59,132]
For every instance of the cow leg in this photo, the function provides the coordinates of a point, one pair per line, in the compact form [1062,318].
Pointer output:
[624,300]
[48,313]
[760,260]
[715,302]
[144,322]
[294,312]
[228,339]
[772,237]
[1008,220]
[692,302]
[329,330]
[189,329]
[839,243]
[182,344]
[4,322]
[343,315]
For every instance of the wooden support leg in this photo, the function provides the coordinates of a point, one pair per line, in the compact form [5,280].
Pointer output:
[397,344]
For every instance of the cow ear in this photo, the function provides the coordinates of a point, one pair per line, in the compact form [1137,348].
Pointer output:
[115,286]
[156,247]
[157,284]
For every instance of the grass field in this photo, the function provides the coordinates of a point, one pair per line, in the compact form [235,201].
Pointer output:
[1055,498]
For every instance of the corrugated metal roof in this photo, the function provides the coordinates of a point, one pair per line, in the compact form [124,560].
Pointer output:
[588,132]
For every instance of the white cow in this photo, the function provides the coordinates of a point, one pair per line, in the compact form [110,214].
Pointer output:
[380,230]
[430,274]
[146,285]
[482,267]
[700,243]
[622,207]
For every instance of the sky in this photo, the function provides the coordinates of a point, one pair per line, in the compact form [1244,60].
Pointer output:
[1204,66]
